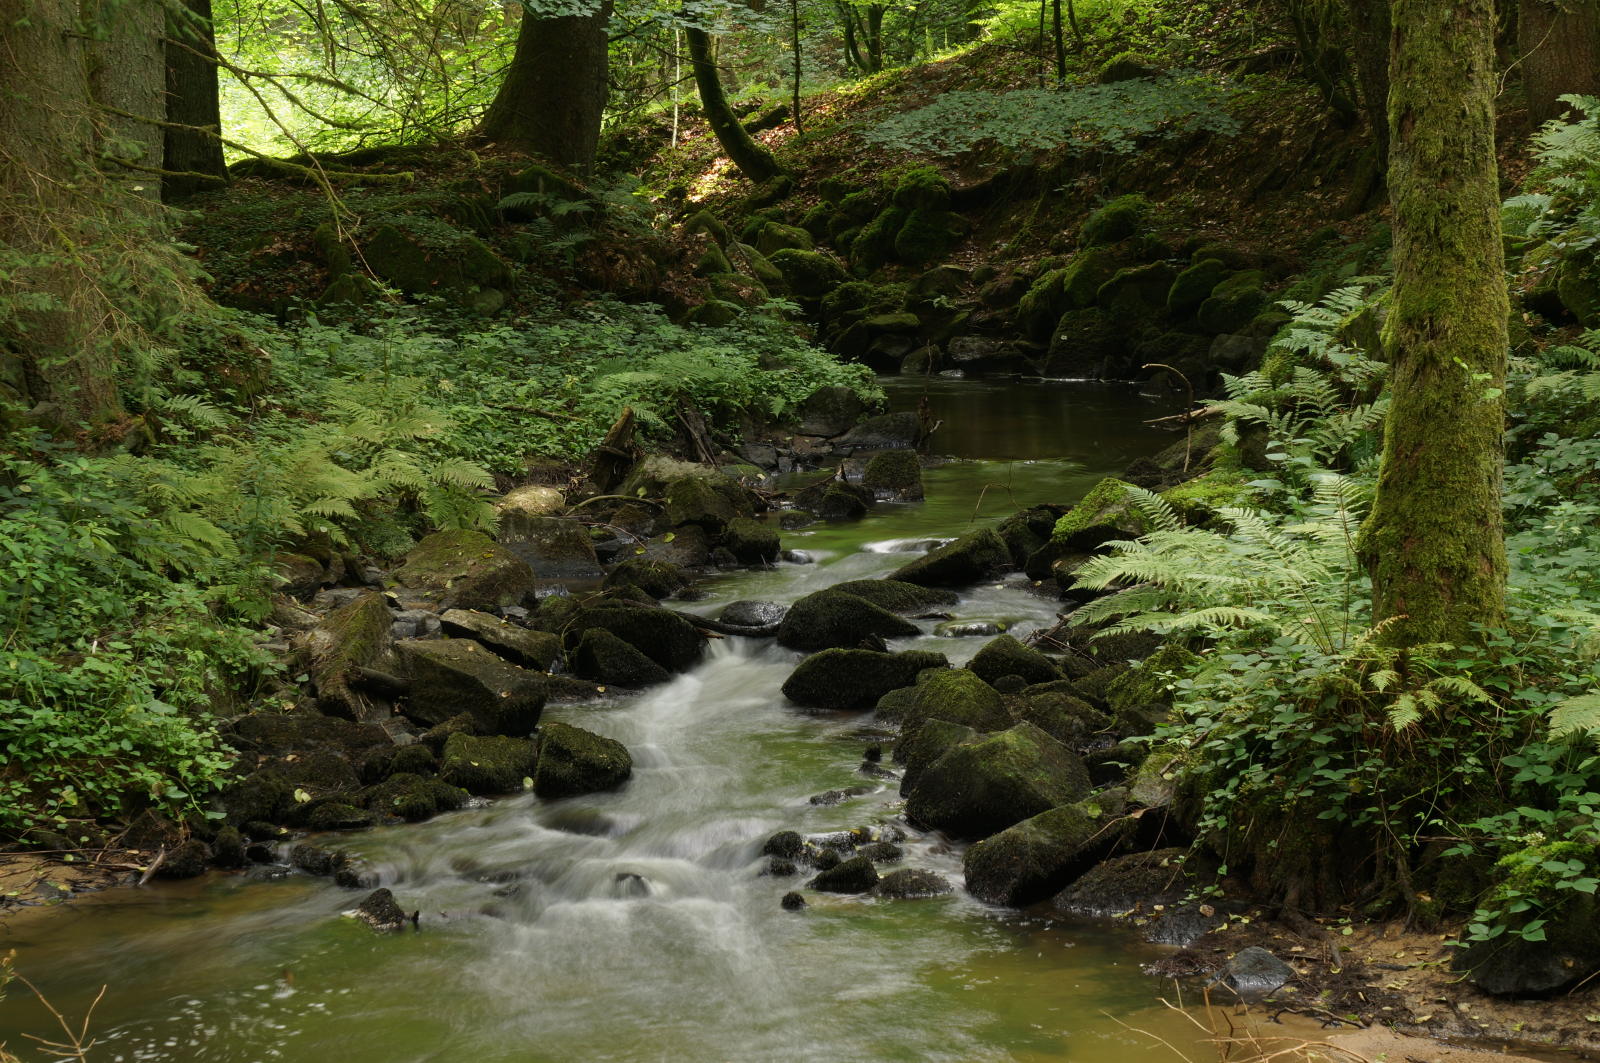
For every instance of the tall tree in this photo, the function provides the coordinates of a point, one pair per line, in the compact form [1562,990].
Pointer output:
[194,159]
[554,92]
[751,157]
[1434,542]
[1560,45]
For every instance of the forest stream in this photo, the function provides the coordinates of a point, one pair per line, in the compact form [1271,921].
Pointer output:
[637,925]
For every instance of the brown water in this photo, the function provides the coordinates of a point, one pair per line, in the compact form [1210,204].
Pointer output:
[530,951]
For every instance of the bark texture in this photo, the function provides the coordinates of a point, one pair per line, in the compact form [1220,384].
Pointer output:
[127,78]
[192,154]
[752,159]
[1434,542]
[50,308]
[554,94]
[1560,45]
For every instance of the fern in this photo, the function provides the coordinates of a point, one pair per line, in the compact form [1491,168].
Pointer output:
[1576,715]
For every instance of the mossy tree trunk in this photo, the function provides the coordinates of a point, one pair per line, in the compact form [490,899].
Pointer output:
[554,94]
[1434,542]
[193,150]
[752,159]
[1559,41]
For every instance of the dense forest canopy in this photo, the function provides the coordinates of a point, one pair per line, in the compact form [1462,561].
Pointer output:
[293,295]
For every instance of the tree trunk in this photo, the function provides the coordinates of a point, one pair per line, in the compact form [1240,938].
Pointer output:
[852,52]
[1560,45]
[1370,31]
[554,94]
[752,159]
[192,153]
[127,78]
[50,199]
[794,40]
[1434,542]
[1060,41]
[875,37]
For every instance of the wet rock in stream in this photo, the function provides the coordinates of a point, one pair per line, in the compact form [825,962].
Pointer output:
[382,912]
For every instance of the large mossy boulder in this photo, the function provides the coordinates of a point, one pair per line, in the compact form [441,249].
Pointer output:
[1233,303]
[834,618]
[751,541]
[1193,286]
[809,274]
[1006,656]
[351,637]
[855,875]
[925,745]
[1151,890]
[894,475]
[538,650]
[855,679]
[697,500]
[466,570]
[829,411]
[1105,514]
[605,658]
[1141,697]
[452,676]
[873,246]
[907,599]
[573,761]
[970,559]
[1067,718]
[665,637]
[954,695]
[1027,531]
[554,547]
[775,236]
[658,579]
[412,797]
[1116,221]
[438,260]
[1036,858]
[1137,294]
[984,786]
[926,236]
[1087,343]
[487,765]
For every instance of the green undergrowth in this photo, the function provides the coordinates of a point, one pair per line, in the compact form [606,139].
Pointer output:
[1328,766]
[133,581]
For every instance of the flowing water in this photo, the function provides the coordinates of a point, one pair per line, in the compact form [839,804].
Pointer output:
[637,925]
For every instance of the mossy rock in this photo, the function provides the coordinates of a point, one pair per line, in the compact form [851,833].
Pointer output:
[1137,293]
[1578,288]
[854,300]
[1141,697]
[1042,306]
[760,267]
[894,474]
[413,797]
[907,599]
[573,761]
[1027,530]
[777,237]
[954,695]
[348,290]
[604,658]
[538,650]
[557,548]
[712,262]
[1233,303]
[714,313]
[436,260]
[922,189]
[970,559]
[697,500]
[855,875]
[833,190]
[925,744]
[1006,656]
[1105,513]
[1085,343]
[832,618]
[873,246]
[703,221]
[466,570]
[1070,720]
[1193,286]
[1201,500]
[663,636]
[815,221]
[1126,66]
[1116,221]
[488,765]
[829,411]
[1036,858]
[449,676]
[752,542]
[352,636]
[855,679]
[658,579]
[809,274]
[926,236]
[984,786]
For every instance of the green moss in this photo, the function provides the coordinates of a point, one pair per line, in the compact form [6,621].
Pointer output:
[984,786]
[573,761]
[896,472]
[956,695]
[1043,304]
[490,765]
[831,617]
[714,313]
[926,236]
[809,274]
[815,221]
[1203,498]
[777,237]
[1233,303]
[1140,696]
[898,597]
[705,222]
[854,679]
[1006,656]
[712,261]
[1193,286]
[1106,500]
[1136,293]
[1117,220]
[1125,66]
[835,189]
[874,244]
[752,541]
[1578,288]
[922,189]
